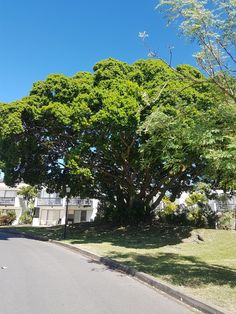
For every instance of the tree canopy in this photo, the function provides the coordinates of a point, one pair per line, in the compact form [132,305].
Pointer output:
[123,134]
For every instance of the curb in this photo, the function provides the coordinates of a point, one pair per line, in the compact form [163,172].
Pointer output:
[147,279]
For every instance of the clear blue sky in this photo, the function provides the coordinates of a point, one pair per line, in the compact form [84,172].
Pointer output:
[40,37]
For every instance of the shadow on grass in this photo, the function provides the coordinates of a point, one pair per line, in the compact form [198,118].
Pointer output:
[55,233]
[141,237]
[179,270]
[146,236]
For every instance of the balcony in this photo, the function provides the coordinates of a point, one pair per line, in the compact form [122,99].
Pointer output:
[7,201]
[48,201]
[86,202]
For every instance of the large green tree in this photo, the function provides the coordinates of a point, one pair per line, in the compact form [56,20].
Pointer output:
[123,134]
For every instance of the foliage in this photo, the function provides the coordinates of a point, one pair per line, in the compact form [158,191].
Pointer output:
[200,213]
[171,213]
[197,213]
[225,220]
[194,141]
[213,25]
[7,218]
[199,216]
[26,217]
[29,193]
[169,207]
[111,134]
[196,198]
[196,217]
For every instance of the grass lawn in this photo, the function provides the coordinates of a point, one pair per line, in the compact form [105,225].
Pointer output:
[205,269]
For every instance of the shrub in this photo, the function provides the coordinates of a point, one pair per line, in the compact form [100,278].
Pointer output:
[26,218]
[196,215]
[225,220]
[8,218]
[196,198]
[173,215]
[169,207]
[200,214]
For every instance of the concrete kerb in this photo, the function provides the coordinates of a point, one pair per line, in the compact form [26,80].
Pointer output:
[147,279]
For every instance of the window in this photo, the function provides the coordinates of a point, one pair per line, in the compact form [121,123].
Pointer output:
[83,216]
[36,212]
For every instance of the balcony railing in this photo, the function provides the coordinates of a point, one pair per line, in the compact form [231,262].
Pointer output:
[7,200]
[49,201]
[80,202]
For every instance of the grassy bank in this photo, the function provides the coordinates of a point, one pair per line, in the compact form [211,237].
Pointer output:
[206,269]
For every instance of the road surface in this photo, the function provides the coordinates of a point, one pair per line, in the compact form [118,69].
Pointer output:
[42,278]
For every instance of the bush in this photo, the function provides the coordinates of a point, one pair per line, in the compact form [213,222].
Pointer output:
[197,218]
[176,217]
[8,218]
[196,198]
[26,218]
[200,215]
[225,220]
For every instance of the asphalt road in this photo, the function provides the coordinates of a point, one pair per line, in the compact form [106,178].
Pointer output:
[42,278]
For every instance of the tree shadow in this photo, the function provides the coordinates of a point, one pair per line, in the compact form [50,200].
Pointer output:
[43,233]
[6,236]
[144,236]
[179,270]
[140,237]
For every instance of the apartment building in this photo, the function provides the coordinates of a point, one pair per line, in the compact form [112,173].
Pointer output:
[49,209]
[9,200]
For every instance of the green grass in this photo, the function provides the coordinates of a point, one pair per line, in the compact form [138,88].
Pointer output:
[206,269]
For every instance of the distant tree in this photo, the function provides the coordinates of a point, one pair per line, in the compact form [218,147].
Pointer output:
[212,24]
[29,194]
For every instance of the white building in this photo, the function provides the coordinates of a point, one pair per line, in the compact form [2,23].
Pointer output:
[50,209]
[9,200]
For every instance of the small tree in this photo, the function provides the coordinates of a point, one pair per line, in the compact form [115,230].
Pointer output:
[29,193]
